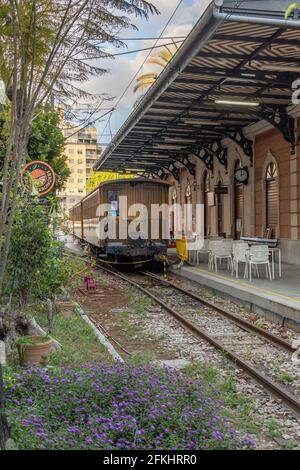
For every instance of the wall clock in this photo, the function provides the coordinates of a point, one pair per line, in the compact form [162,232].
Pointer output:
[242,175]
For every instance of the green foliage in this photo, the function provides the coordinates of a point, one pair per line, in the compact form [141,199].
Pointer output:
[98,177]
[289,11]
[274,428]
[31,244]
[47,143]
[31,341]
[79,342]
[37,266]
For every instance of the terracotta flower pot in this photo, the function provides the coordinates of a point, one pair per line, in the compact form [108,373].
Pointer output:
[36,351]
[65,309]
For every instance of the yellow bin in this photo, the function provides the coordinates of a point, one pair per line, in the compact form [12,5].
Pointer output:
[181,248]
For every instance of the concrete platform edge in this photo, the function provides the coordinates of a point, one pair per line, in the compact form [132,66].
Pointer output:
[271,309]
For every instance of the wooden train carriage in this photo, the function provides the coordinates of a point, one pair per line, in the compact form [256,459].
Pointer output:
[103,215]
[90,216]
[76,221]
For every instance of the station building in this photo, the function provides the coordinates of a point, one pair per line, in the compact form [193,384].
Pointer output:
[222,124]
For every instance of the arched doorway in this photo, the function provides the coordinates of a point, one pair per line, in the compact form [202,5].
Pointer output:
[206,191]
[238,204]
[220,222]
[173,218]
[272,199]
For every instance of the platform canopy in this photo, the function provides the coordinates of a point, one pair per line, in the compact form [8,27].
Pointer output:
[237,67]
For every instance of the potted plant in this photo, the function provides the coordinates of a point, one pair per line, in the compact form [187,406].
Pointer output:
[34,349]
[65,308]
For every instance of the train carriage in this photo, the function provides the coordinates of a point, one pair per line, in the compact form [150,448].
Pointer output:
[108,219]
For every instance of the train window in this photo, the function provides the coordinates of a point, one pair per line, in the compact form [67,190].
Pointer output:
[113,200]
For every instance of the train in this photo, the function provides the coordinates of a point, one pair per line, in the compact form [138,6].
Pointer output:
[120,220]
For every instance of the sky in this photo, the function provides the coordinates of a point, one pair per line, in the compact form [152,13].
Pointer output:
[123,68]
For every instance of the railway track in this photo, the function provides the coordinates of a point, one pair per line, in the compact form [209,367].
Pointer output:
[241,332]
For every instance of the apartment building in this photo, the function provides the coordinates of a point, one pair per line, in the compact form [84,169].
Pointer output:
[82,151]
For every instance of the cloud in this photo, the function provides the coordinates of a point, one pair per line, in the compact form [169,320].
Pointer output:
[123,68]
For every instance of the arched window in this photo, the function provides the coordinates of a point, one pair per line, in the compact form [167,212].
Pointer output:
[206,191]
[272,198]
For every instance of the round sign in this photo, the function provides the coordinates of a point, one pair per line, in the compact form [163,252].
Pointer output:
[41,175]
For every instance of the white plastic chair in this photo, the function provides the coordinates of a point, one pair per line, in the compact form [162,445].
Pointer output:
[203,249]
[212,246]
[259,256]
[222,251]
[192,246]
[240,253]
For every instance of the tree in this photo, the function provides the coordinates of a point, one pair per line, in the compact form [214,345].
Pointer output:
[47,143]
[98,177]
[31,243]
[144,81]
[47,49]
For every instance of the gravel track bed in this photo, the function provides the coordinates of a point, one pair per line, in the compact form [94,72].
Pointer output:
[266,357]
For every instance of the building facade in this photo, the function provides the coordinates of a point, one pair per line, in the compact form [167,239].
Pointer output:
[268,199]
[82,151]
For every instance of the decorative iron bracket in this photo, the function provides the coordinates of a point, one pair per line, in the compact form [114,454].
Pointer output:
[205,156]
[220,153]
[245,144]
[173,170]
[280,119]
[158,173]
[185,161]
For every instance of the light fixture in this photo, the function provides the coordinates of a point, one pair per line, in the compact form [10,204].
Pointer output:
[168,146]
[238,103]
[130,170]
[243,78]
[180,140]
[202,122]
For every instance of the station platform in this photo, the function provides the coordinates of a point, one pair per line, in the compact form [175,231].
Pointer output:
[277,300]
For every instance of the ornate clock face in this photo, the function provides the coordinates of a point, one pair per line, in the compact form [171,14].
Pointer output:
[42,178]
[241,175]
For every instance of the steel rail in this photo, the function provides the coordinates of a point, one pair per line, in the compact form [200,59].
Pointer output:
[289,399]
[276,340]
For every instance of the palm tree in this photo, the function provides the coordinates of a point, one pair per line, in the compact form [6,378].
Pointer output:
[162,58]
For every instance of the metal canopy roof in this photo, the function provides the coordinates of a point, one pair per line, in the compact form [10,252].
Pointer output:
[221,59]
